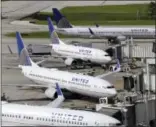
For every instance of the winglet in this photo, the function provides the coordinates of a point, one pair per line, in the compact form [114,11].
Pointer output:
[118,66]
[91,31]
[97,25]
[59,92]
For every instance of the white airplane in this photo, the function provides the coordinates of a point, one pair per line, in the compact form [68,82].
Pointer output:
[77,83]
[76,54]
[52,115]
[112,34]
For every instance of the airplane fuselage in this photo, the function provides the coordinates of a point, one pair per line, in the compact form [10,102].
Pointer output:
[83,53]
[101,32]
[81,84]
[42,115]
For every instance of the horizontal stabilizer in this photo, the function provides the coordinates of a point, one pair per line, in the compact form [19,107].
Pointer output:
[91,31]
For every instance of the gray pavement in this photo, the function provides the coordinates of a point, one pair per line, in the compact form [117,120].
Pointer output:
[15,10]
[102,3]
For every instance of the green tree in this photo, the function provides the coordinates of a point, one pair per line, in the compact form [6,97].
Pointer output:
[152,10]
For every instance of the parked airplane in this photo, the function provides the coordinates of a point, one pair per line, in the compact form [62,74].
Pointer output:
[78,83]
[76,54]
[112,34]
[52,115]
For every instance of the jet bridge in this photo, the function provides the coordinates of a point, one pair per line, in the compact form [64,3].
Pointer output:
[133,110]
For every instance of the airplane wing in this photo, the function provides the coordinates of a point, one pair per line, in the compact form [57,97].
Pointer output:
[116,69]
[58,101]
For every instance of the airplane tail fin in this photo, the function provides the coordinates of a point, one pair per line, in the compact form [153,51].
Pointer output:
[22,52]
[61,20]
[53,35]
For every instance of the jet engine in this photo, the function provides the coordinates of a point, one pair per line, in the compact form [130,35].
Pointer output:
[50,93]
[68,61]
[121,38]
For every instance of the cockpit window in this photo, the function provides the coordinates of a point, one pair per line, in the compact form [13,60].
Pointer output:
[107,55]
[109,87]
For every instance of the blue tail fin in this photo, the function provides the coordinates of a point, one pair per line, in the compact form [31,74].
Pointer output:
[59,92]
[22,51]
[53,34]
[60,20]
[118,67]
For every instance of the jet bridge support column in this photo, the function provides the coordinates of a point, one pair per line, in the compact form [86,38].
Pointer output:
[130,46]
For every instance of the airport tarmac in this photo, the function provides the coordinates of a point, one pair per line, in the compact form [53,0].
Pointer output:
[14,11]
[100,42]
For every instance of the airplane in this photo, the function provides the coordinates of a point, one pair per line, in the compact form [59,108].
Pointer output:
[75,55]
[113,34]
[52,115]
[77,83]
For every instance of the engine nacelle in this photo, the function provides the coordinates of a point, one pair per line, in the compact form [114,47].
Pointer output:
[121,38]
[113,68]
[50,93]
[68,61]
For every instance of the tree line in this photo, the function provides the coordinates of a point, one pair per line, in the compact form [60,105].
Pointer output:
[152,10]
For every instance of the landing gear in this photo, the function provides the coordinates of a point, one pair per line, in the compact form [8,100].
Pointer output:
[113,41]
[79,64]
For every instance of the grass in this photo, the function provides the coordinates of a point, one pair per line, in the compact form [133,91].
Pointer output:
[41,34]
[130,8]
[133,14]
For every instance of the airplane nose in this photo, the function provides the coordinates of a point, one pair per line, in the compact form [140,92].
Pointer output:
[109,58]
[113,92]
